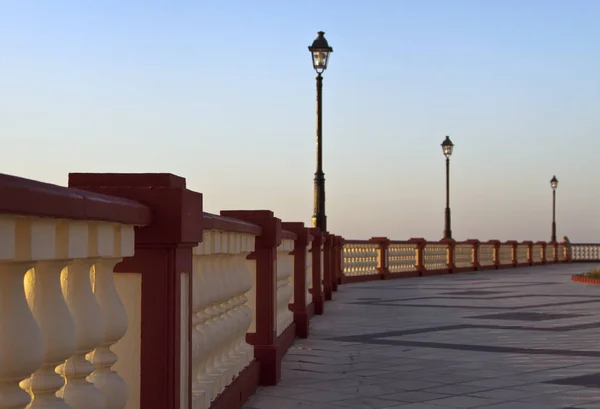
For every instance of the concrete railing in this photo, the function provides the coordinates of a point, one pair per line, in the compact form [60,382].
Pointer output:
[381,258]
[61,309]
[119,292]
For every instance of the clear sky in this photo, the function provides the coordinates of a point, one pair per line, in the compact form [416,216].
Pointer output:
[223,93]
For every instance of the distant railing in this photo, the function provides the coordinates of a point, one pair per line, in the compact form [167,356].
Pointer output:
[584,252]
[381,258]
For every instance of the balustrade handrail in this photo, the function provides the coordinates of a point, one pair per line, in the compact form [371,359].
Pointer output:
[352,241]
[288,235]
[32,198]
[215,222]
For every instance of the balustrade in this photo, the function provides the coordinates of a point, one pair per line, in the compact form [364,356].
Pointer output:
[463,255]
[360,258]
[435,256]
[523,253]
[486,255]
[72,327]
[549,252]
[223,307]
[60,312]
[285,283]
[585,252]
[561,252]
[402,257]
[537,253]
[505,254]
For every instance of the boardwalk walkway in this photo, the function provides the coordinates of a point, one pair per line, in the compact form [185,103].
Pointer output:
[510,339]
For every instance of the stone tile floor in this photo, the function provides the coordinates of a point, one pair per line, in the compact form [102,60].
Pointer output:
[507,339]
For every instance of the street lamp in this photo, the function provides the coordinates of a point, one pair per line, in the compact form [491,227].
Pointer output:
[320,51]
[447,147]
[554,185]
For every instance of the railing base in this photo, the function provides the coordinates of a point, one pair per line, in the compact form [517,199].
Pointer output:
[428,273]
[360,279]
[302,319]
[402,274]
[240,390]
[270,356]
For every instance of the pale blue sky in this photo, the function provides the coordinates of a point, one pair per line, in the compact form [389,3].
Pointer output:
[223,93]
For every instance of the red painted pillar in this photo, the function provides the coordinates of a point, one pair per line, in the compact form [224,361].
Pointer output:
[340,257]
[327,266]
[475,244]
[496,244]
[451,243]
[420,247]
[554,245]
[163,257]
[529,245]
[382,267]
[265,254]
[513,244]
[316,291]
[335,262]
[299,306]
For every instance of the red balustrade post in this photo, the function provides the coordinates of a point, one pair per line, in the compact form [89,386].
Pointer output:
[420,249]
[266,348]
[327,266]
[475,244]
[451,243]
[300,305]
[496,244]
[555,251]
[529,245]
[543,255]
[514,244]
[335,262]
[317,278]
[340,271]
[382,265]
[163,259]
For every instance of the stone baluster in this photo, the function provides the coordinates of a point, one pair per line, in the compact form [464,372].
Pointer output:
[21,344]
[90,329]
[211,326]
[115,325]
[219,309]
[46,301]
[203,386]
[243,315]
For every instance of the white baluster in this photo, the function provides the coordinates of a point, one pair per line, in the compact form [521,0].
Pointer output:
[21,344]
[211,326]
[228,322]
[45,299]
[115,320]
[202,385]
[90,330]
[245,285]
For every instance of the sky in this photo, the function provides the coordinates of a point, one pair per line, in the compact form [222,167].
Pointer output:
[223,94]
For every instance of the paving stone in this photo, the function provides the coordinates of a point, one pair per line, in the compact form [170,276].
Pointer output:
[507,339]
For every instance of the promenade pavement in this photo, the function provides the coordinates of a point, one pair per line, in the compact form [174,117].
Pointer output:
[506,339]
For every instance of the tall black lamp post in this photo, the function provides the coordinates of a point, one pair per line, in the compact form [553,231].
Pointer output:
[447,147]
[554,185]
[320,51]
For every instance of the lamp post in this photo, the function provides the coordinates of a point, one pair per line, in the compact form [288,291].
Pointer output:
[554,185]
[320,51]
[447,147]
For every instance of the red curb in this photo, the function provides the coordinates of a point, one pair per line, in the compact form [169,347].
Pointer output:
[586,280]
